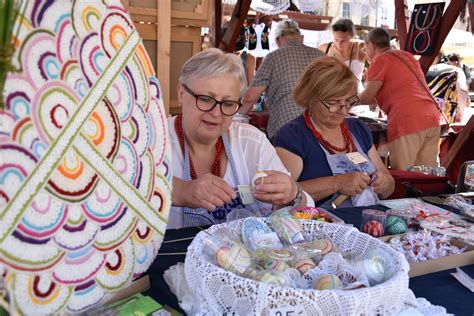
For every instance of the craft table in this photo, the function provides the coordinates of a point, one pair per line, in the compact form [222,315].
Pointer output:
[439,288]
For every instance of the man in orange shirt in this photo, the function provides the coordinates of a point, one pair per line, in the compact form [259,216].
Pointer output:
[396,82]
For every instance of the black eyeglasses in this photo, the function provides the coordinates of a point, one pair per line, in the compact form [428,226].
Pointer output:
[333,105]
[207,103]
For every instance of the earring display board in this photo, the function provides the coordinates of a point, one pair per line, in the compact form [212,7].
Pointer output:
[85,189]
[423,30]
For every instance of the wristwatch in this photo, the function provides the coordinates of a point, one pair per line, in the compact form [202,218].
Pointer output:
[299,196]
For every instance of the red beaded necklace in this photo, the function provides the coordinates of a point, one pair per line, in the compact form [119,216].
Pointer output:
[349,145]
[216,166]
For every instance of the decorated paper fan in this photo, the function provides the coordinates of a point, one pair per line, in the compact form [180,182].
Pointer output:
[85,183]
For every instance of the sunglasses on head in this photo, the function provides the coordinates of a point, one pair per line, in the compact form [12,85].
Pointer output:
[339,28]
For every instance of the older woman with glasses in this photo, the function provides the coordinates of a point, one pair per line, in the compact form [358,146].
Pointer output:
[216,161]
[329,154]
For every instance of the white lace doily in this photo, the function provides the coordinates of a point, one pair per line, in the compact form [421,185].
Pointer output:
[218,291]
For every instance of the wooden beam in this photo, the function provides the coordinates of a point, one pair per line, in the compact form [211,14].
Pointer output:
[401,15]
[217,22]
[233,30]
[462,141]
[164,47]
[447,21]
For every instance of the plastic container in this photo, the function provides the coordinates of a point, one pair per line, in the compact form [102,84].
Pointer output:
[373,222]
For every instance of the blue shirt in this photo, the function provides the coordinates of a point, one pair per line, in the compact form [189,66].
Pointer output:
[298,139]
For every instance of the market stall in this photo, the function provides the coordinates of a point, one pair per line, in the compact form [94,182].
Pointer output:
[439,288]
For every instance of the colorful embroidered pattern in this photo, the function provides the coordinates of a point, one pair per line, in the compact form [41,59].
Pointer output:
[85,187]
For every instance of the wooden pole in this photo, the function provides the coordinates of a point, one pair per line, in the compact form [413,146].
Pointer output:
[217,22]
[401,15]
[163,36]
[447,21]
[237,20]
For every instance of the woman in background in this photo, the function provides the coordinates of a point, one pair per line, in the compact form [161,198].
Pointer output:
[346,48]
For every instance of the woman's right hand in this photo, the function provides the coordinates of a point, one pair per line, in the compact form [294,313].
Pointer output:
[351,184]
[207,191]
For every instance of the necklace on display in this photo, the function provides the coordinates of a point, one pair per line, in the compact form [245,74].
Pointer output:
[349,145]
[216,166]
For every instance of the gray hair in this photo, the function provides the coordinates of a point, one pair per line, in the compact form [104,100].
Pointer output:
[286,28]
[379,37]
[213,62]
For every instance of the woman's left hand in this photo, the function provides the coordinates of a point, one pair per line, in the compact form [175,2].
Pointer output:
[384,184]
[277,188]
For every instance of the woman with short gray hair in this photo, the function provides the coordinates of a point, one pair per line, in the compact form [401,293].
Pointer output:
[215,160]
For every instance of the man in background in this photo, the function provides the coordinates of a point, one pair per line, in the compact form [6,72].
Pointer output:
[279,74]
[396,81]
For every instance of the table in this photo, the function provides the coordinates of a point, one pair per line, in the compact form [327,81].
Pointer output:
[439,288]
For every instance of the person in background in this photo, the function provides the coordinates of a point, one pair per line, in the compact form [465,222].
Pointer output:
[327,152]
[213,156]
[346,48]
[396,81]
[454,59]
[448,82]
[278,75]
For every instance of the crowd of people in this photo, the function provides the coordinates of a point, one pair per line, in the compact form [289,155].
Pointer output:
[313,153]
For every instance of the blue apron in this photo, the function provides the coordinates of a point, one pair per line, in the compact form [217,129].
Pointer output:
[201,216]
[341,164]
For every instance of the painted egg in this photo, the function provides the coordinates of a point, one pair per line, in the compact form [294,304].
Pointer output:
[274,278]
[373,270]
[328,282]
[232,256]
[303,265]
[252,226]
[286,226]
[374,228]
[276,265]
[395,225]
[325,245]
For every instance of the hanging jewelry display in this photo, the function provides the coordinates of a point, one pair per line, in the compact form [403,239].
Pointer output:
[425,21]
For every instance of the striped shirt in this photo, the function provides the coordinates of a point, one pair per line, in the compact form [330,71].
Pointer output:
[280,73]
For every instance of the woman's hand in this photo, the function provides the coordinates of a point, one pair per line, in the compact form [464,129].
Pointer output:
[207,192]
[277,188]
[384,184]
[351,184]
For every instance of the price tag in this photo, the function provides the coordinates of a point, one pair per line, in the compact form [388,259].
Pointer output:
[356,158]
[286,311]
[245,193]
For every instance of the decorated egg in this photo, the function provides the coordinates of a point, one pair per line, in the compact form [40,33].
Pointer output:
[303,265]
[395,225]
[373,269]
[275,278]
[85,158]
[252,226]
[325,245]
[374,228]
[286,226]
[328,282]
[232,256]
[276,265]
